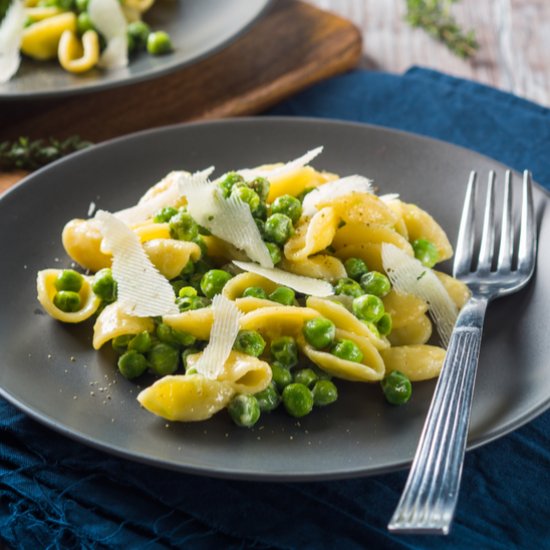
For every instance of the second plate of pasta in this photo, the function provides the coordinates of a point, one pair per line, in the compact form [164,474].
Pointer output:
[304,300]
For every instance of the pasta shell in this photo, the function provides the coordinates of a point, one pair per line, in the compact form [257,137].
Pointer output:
[418,363]
[371,368]
[45,285]
[403,308]
[170,256]
[187,398]
[418,331]
[321,266]
[113,322]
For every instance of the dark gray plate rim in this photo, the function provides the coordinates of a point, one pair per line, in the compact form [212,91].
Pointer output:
[227,473]
[166,68]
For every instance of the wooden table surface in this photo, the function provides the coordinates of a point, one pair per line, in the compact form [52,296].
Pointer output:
[514,37]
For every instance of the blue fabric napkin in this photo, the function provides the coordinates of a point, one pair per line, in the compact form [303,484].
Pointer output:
[60,494]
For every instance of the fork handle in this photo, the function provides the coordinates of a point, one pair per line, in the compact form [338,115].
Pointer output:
[429,499]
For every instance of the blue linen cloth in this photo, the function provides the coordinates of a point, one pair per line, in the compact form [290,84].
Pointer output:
[60,494]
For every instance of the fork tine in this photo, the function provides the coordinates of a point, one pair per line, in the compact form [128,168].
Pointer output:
[507,230]
[488,235]
[465,240]
[527,235]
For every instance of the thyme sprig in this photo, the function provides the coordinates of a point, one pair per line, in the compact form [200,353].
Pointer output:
[26,154]
[435,17]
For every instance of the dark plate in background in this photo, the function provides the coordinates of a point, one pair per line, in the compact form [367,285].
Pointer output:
[51,372]
[197,29]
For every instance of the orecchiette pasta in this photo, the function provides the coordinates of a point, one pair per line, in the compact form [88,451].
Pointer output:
[245,336]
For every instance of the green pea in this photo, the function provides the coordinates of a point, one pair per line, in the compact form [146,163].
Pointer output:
[375,283]
[261,186]
[69,279]
[281,376]
[285,351]
[132,364]
[347,350]
[298,400]
[213,281]
[201,244]
[384,324]
[184,355]
[226,185]
[426,252]
[319,332]
[247,195]
[283,295]
[397,388]
[244,410]
[163,358]
[307,377]
[372,327]
[67,301]
[288,205]
[187,291]
[164,215]
[139,31]
[278,228]
[348,287]
[84,23]
[324,393]
[189,303]
[120,343]
[368,308]
[173,337]
[261,212]
[275,252]
[140,342]
[82,5]
[249,342]
[104,286]
[355,268]
[189,269]
[183,227]
[255,292]
[268,399]
[159,43]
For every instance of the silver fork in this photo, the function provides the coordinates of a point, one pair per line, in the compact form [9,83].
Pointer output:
[428,502]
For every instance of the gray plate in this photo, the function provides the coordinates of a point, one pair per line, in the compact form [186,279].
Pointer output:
[197,27]
[50,371]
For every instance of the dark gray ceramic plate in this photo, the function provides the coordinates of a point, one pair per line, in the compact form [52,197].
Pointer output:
[50,371]
[197,28]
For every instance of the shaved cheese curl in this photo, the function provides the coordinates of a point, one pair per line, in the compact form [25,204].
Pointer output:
[142,290]
[108,19]
[11,34]
[229,219]
[222,337]
[409,276]
[299,283]
[334,189]
[281,171]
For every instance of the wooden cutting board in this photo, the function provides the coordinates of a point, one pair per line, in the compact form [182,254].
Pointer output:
[293,46]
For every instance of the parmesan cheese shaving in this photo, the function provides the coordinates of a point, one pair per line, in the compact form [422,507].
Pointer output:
[409,276]
[299,283]
[281,171]
[334,189]
[222,337]
[108,18]
[11,34]
[142,290]
[389,197]
[229,219]
[170,196]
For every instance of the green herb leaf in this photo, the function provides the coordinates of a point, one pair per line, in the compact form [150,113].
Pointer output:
[435,17]
[26,154]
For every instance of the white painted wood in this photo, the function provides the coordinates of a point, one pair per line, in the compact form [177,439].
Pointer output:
[514,37]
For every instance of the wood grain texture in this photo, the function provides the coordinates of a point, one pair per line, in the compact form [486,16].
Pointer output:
[514,37]
[293,46]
